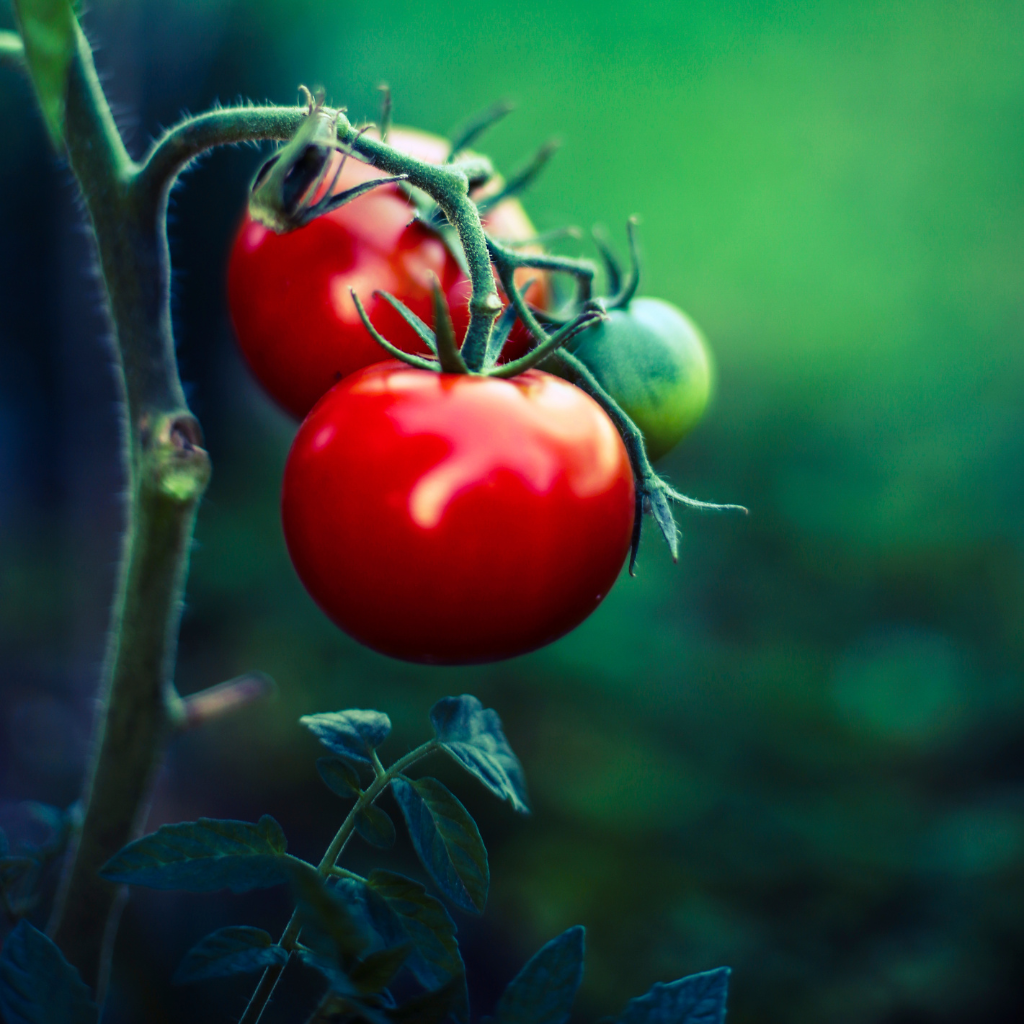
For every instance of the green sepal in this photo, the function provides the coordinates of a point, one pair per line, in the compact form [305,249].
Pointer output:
[477,125]
[522,179]
[448,354]
[392,350]
[423,332]
[49,32]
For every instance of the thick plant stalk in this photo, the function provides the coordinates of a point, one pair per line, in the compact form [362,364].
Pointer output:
[166,471]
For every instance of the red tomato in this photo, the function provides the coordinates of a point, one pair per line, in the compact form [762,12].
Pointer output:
[452,519]
[289,294]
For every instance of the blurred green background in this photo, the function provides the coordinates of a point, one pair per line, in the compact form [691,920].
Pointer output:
[800,751]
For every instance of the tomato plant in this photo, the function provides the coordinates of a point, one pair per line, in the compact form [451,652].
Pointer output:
[289,293]
[652,359]
[452,518]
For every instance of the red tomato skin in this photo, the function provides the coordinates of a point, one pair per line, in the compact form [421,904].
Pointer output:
[450,519]
[289,294]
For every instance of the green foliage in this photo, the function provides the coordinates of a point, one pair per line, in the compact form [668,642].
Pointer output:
[473,736]
[447,841]
[544,990]
[37,985]
[204,855]
[353,735]
[339,777]
[697,999]
[237,949]
[48,30]
[376,827]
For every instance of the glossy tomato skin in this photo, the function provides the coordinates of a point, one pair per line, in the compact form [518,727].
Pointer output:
[653,360]
[289,294]
[451,519]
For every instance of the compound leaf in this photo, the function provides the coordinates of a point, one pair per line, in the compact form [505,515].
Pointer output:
[543,991]
[473,736]
[695,999]
[233,950]
[447,840]
[435,958]
[351,734]
[204,855]
[376,827]
[48,31]
[37,985]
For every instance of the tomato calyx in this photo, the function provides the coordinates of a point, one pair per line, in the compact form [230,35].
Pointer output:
[449,357]
[281,196]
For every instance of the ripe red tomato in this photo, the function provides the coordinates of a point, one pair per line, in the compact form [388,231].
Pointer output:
[452,519]
[289,294]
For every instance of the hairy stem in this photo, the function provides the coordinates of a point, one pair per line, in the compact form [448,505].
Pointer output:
[166,471]
[289,939]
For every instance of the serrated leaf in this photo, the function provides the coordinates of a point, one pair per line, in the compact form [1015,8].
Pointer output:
[351,734]
[473,736]
[37,985]
[329,926]
[543,991]
[431,1007]
[695,999]
[376,827]
[435,959]
[339,777]
[233,950]
[47,30]
[377,970]
[204,855]
[447,840]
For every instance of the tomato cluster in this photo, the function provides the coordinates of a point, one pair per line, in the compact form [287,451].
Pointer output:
[446,518]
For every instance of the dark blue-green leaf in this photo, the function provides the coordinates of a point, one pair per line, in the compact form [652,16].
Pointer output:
[377,970]
[431,1007]
[376,827]
[204,855]
[351,734]
[37,985]
[435,958]
[447,840]
[329,925]
[339,777]
[543,991]
[14,869]
[696,999]
[472,734]
[233,950]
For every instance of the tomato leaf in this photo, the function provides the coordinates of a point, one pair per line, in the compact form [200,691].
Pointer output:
[543,991]
[431,1007]
[339,777]
[352,734]
[447,841]
[473,736]
[329,925]
[37,985]
[435,959]
[14,869]
[696,999]
[233,950]
[48,31]
[376,827]
[377,970]
[204,855]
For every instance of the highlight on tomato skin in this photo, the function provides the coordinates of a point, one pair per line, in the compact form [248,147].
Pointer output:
[289,296]
[452,519]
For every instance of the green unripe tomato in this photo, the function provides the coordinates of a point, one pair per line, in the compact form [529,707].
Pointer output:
[652,359]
